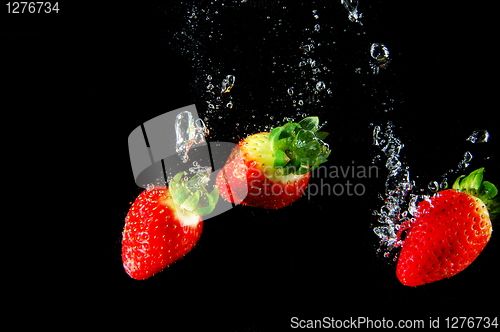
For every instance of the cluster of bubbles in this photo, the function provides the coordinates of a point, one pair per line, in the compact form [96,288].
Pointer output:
[399,203]
[310,85]
[218,96]
[352,8]
[401,196]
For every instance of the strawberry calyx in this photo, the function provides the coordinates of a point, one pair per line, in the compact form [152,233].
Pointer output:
[474,185]
[298,148]
[190,193]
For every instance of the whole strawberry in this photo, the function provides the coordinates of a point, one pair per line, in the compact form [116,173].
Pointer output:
[164,224]
[272,169]
[449,231]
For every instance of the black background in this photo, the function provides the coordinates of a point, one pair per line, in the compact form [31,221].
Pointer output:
[77,83]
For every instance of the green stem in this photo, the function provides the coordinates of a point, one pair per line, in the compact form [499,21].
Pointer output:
[298,148]
[192,195]
[474,185]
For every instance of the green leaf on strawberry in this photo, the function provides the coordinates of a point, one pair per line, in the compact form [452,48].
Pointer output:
[271,170]
[298,147]
[192,195]
[474,185]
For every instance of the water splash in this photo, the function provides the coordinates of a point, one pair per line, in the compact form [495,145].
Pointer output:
[399,203]
[188,132]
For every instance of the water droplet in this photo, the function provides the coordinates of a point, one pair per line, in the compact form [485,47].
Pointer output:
[479,136]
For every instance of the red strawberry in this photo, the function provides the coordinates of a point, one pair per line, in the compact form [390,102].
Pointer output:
[272,169]
[163,225]
[449,231]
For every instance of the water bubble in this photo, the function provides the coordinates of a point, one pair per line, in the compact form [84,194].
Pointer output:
[188,132]
[479,136]
[377,140]
[290,91]
[227,83]
[433,186]
[379,51]
[392,163]
[352,8]
[307,48]
[320,86]
[464,163]
[380,57]
[396,208]
[317,27]
[413,204]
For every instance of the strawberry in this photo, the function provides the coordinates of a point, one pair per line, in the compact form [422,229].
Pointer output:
[272,169]
[164,223]
[449,231]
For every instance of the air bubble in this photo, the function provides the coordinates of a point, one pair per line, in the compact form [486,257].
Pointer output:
[479,136]
[352,8]
[465,162]
[396,208]
[433,186]
[380,57]
[188,133]
[320,86]
[227,83]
